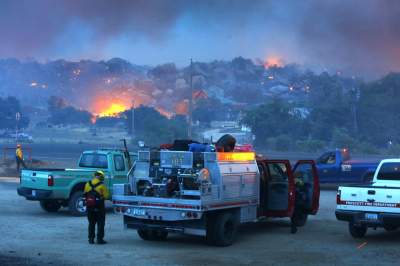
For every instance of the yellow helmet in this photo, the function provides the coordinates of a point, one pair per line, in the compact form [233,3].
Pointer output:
[99,174]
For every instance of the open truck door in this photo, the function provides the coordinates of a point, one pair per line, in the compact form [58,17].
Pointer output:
[306,171]
[277,188]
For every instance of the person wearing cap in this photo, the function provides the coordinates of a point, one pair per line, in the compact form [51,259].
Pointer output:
[97,214]
[19,157]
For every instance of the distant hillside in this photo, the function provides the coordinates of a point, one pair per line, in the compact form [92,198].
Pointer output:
[116,84]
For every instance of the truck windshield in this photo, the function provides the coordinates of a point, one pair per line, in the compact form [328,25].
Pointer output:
[389,171]
[93,160]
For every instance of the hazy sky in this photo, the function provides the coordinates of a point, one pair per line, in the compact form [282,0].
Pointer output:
[358,36]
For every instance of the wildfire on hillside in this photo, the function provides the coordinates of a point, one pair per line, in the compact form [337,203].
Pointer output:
[164,112]
[113,110]
[182,107]
[112,102]
[273,61]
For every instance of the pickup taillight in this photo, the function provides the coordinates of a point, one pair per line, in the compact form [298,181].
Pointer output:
[50,181]
[338,200]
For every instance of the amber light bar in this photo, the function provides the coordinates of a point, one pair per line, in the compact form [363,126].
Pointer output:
[236,156]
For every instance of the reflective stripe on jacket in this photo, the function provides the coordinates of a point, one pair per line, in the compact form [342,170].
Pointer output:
[101,189]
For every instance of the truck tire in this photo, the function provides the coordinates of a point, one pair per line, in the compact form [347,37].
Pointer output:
[299,219]
[357,231]
[210,229]
[222,229]
[159,235]
[50,205]
[76,204]
[144,234]
[152,234]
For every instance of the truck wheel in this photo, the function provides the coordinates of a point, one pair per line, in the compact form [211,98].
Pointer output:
[222,232]
[152,234]
[299,219]
[210,228]
[76,204]
[144,234]
[50,205]
[159,235]
[357,231]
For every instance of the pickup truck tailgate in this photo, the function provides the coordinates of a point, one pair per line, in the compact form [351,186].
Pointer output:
[369,198]
[34,179]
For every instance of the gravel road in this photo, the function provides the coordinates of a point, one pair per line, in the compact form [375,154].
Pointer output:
[32,237]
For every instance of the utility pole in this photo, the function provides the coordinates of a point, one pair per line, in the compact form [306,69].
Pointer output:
[17,118]
[190,115]
[355,99]
[133,118]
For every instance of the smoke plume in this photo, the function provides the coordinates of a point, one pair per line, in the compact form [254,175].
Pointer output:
[358,36]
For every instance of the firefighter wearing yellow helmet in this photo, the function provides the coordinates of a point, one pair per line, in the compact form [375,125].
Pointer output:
[96,193]
[19,157]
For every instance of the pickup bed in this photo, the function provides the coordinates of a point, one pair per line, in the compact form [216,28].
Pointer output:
[375,205]
[336,167]
[56,188]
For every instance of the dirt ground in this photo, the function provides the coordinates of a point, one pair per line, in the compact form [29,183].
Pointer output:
[32,237]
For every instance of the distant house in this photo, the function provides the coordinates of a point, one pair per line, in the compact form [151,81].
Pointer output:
[219,128]
[225,124]
[302,112]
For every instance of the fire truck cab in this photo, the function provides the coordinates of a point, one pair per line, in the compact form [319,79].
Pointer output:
[211,193]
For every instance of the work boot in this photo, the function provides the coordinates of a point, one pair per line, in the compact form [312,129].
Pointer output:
[101,242]
[91,241]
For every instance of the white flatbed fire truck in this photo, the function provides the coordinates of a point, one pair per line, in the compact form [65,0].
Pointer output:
[211,193]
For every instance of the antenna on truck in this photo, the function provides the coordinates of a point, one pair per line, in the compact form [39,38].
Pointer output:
[126,152]
[190,113]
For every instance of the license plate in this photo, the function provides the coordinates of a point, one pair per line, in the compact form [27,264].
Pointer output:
[371,216]
[33,193]
[138,212]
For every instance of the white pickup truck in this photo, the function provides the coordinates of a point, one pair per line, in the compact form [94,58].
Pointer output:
[374,205]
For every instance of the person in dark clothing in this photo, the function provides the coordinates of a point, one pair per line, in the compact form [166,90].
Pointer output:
[96,193]
[299,213]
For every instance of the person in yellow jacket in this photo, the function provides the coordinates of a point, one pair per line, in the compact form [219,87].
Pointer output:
[19,157]
[96,193]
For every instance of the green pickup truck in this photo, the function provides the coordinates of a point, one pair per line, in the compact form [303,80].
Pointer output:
[56,188]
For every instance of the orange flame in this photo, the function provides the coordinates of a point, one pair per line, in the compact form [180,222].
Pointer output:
[273,61]
[113,110]
[182,108]
[115,100]
[164,112]
[107,106]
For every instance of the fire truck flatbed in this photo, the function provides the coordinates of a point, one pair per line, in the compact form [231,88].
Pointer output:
[209,194]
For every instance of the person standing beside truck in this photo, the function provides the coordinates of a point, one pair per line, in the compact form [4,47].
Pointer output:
[300,202]
[96,193]
[19,157]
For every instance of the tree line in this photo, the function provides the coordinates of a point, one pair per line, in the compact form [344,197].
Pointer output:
[364,116]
